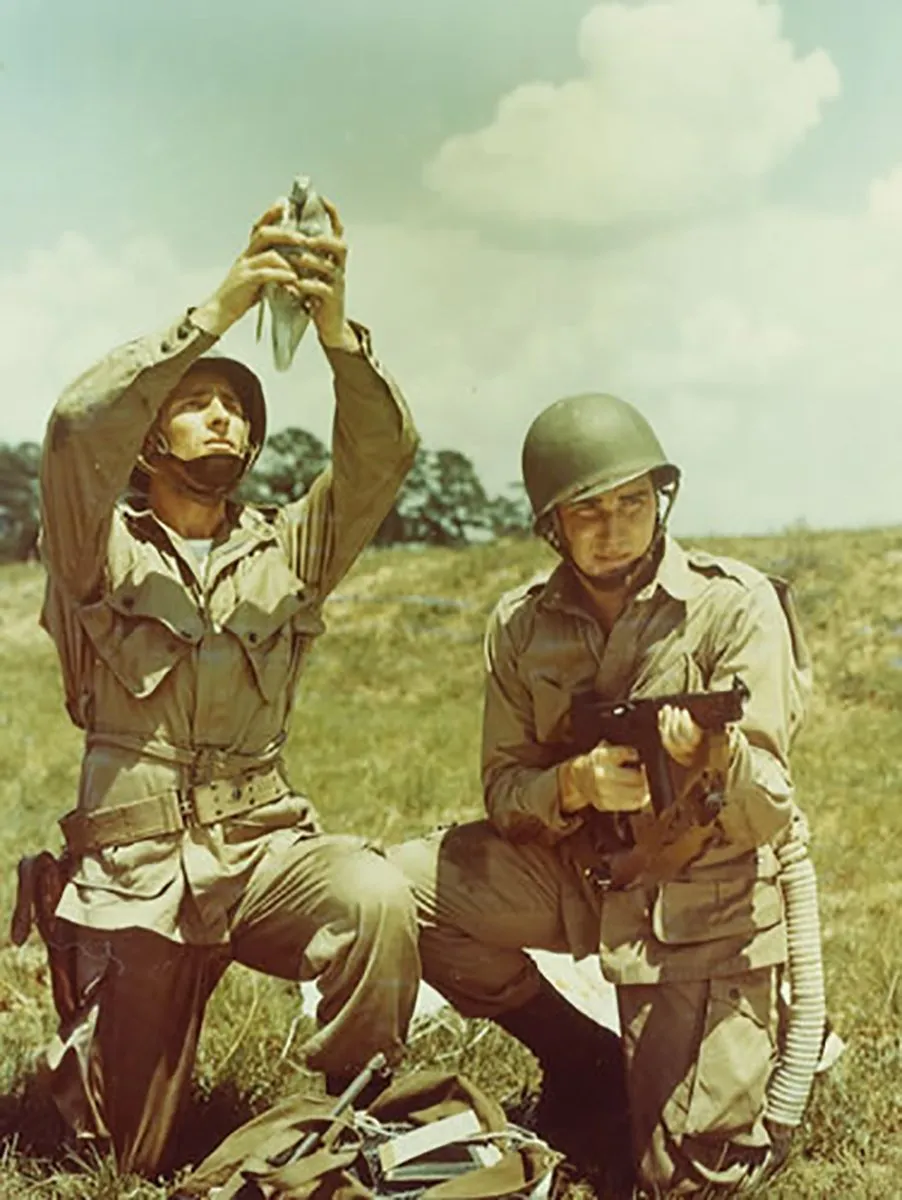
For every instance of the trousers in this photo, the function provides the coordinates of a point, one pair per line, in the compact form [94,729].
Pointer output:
[325,907]
[698,1054]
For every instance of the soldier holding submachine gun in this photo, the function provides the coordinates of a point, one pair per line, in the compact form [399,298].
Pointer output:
[640,702]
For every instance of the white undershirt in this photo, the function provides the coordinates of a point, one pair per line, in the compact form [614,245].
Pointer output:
[200,548]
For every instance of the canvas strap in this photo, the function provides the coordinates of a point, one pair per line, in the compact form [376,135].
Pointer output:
[173,811]
[665,843]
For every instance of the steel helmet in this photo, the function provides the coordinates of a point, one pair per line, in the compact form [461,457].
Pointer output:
[249,391]
[586,444]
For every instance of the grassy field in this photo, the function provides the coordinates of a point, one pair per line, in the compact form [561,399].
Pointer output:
[386,736]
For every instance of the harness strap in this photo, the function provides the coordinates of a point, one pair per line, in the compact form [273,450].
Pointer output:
[668,842]
[202,763]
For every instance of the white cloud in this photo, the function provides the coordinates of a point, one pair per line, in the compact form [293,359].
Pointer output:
[683,104]
[763,347]
[885,196]
[67,304]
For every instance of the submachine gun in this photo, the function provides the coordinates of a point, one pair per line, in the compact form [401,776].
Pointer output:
[681,825]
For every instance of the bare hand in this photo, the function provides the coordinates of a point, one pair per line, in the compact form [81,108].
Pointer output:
[681,737]
[320,265]
[608,778]
[262,261]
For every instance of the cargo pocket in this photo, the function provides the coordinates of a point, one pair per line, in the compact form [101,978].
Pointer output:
[275,642]
[141,870]
[735,1058]
[131,637]
[693,911]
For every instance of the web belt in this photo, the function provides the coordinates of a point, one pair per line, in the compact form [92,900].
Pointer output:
[172,811]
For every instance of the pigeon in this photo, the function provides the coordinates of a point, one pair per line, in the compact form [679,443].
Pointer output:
[289,317]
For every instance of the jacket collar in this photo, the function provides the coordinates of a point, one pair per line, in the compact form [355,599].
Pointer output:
[563,591]
[243,527]
[674,574]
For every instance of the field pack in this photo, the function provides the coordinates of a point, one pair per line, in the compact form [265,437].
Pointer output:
[429,1135]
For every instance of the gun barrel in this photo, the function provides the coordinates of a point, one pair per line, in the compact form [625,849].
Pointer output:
[711,710]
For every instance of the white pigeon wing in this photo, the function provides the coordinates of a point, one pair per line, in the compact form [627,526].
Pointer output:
[302,211]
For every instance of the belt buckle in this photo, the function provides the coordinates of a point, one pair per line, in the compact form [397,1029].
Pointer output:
[187,811]
[206,764]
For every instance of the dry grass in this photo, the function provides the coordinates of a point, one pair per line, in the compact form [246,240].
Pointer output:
[389,713]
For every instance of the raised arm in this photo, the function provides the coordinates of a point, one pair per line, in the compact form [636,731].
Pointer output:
[95,433]
[98,426]
[373,437]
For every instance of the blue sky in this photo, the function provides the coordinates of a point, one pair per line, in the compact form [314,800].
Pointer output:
[697,203]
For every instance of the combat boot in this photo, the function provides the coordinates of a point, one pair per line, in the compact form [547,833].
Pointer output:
[582,1107]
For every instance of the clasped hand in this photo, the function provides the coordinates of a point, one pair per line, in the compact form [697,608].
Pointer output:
[312,269]
[612,779]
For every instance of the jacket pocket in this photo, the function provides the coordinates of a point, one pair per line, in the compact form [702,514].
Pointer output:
[140,631]
[672,671]
[291,813]
[275,641]
[688,912]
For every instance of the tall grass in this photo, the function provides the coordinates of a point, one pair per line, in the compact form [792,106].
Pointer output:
[385,739]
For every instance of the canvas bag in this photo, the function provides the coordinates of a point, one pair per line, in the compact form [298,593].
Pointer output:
[493,1161]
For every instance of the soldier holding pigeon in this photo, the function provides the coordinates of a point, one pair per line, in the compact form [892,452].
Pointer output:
[182,621]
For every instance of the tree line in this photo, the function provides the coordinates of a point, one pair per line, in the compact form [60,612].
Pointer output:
[442,502]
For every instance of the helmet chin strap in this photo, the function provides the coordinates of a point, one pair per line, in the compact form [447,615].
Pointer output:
[635,574]
[206,480]
[631,577]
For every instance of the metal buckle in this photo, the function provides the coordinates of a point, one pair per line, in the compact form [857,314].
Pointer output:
[208,763]
[600,877]
[200,772]
[186,806]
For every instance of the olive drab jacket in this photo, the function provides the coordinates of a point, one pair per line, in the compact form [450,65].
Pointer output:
[182,676]
[698,623]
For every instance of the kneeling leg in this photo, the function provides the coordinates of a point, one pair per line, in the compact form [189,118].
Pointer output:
[122,1065]
[699,1055]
